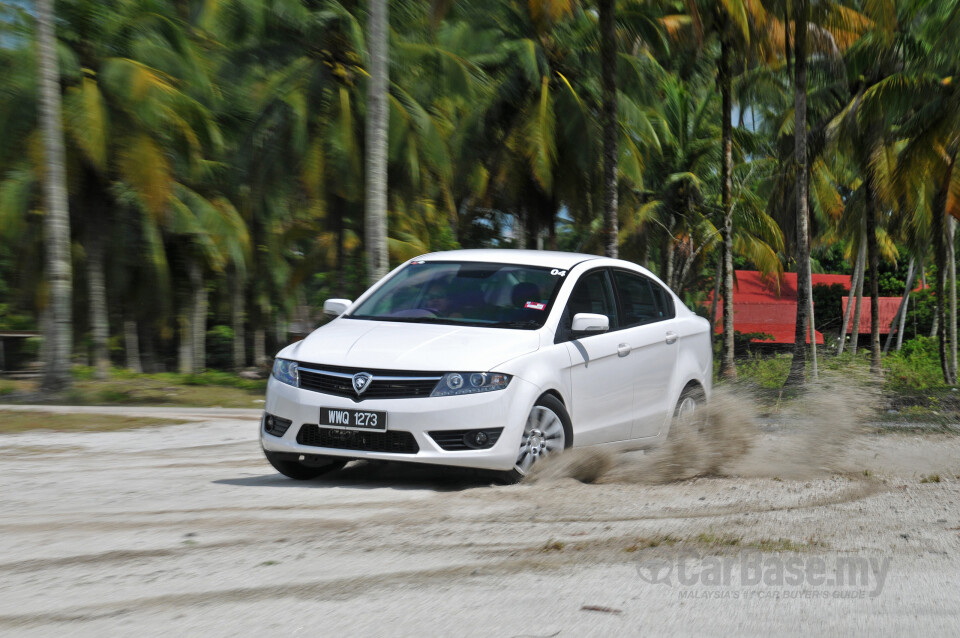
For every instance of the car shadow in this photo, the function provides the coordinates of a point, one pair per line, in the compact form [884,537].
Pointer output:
[363,475]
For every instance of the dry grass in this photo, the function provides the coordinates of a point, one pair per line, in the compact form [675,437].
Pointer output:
[144,390]
[14,422]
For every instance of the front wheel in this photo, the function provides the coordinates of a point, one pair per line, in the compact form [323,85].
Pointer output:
[546,433]
[312,466]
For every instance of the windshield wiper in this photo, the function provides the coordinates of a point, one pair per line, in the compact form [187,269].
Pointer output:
[440,320]
[520,323]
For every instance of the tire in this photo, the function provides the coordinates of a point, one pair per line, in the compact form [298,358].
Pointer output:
[547,432]
[690,406]
[288,464]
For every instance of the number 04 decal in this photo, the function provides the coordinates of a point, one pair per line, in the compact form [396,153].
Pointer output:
[559,273]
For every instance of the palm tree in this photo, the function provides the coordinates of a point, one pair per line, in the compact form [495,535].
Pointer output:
[832,29]
[376,142]
[894,176]
[608,63]
[733,23]
[681,197]
[58,329]
[798,366]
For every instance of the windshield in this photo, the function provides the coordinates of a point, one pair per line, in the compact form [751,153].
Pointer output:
[467,293]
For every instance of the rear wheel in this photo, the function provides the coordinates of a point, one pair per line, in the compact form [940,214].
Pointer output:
[689,410]
[303,467]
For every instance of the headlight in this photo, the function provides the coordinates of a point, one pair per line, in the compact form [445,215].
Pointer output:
[286,372]
[454,383]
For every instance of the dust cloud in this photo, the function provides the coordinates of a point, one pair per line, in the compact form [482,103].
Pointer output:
[733,436]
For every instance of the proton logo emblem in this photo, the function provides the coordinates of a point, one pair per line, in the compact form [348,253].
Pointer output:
[360,381]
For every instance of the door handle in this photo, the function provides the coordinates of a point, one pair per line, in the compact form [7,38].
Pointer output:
[623,349]
[672,337]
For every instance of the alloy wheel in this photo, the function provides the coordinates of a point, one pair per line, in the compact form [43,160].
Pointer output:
[543,435]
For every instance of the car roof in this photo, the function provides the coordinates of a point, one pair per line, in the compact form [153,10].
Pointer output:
[542,258]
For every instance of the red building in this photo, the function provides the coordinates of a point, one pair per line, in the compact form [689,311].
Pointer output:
[768,305]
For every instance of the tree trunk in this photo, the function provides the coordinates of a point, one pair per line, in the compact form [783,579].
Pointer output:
[341,268]
[855,327]
[797,375]
[609,122]
[185,350]
[99,319]
[239,323]
[952,274]
[46,317]
[728,367]
[259,348]
[873,258]
[940,255]
[199,321]
[903,324]
[896,324]
[903,315]
[941,320]
[669,256]
[519,230]
[812,331]
[281,330]
[149,354]
[854,283]
[132,346]
[687,264]
[375,227]
[59,331]
[717,278]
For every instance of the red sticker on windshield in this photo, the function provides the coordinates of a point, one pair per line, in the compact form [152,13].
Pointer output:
[535,305]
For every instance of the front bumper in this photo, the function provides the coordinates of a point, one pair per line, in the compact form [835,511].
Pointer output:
[507,409]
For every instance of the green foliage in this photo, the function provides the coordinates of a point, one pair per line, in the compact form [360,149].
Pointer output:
[830,259]
[206,378]
[828,305]
[892,279]
[82,373]
[768,372]
[916,366]
[222,143]
[220,347]
[742,341]
[226,379]
[920,312]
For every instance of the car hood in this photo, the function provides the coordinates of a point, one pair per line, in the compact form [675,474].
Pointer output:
[386,345]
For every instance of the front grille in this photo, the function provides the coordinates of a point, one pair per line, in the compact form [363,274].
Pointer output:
[456,440]
[389,441]
[384,384]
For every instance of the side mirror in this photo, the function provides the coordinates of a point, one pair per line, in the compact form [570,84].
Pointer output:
[336,307]
[586,323]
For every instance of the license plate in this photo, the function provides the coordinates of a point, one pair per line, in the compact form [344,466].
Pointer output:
[353,419]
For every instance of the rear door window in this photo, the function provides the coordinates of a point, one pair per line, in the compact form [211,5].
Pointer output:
[664,301]
[638,299]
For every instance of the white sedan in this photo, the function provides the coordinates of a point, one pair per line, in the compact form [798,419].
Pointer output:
[487,359]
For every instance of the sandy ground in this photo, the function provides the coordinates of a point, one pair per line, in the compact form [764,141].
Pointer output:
[186,530]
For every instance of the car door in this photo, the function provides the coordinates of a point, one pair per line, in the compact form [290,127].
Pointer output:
[652,361]
[602,392]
